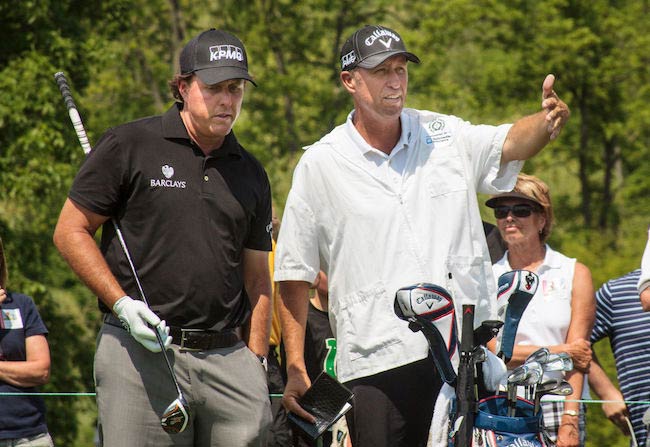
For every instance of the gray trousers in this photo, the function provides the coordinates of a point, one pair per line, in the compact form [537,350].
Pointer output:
[42,440]
[226,390]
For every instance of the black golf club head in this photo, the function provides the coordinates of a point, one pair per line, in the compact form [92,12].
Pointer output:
[486,331]
[176,416]
[516,289]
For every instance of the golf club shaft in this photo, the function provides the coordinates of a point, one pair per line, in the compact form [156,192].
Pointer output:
[125,249]
[77,123]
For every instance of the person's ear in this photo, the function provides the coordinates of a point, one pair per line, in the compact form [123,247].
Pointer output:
[348,81]
[183,87]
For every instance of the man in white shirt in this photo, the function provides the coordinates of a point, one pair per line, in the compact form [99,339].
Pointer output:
[384,201]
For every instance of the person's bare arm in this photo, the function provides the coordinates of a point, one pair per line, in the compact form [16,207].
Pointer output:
[35,370]
[293,315]
[257,281]
[579,350]
[583,315]
[615,409]
[74,238]
[531,133]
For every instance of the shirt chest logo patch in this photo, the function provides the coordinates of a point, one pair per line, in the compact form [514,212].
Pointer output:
[167,182]
[436,132]
[167,171]
[11,319]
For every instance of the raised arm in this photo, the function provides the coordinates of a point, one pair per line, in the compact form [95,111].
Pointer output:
[531,133]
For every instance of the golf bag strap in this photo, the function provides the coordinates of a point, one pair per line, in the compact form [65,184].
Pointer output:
[193,339]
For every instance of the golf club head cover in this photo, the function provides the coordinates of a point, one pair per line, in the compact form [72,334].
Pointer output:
[515,290]
[430,308]
[140,322]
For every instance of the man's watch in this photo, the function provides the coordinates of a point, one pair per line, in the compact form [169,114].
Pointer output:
[264,362]
[571,413]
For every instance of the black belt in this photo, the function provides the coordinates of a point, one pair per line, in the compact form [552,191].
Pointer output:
[193,339]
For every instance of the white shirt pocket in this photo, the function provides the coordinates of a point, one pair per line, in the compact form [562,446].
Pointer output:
[367,321]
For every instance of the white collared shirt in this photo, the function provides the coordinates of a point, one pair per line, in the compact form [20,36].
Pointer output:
[346,214]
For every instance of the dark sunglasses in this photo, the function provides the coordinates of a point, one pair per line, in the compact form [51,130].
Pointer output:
[519,210]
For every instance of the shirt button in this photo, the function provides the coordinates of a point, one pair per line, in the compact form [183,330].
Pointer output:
[205,177]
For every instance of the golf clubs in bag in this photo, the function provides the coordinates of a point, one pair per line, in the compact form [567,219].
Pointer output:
[477,418]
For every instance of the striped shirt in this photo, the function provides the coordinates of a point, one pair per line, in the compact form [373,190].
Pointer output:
[620,317]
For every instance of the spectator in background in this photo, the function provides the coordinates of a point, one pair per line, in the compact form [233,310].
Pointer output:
[620,317]
[561,314]
[24,365]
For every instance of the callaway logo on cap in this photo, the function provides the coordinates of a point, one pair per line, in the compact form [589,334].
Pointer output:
[372,45]
[215,56]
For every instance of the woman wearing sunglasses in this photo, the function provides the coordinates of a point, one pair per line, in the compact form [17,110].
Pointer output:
[561,314]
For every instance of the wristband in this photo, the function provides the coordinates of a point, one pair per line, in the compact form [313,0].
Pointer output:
[571,413]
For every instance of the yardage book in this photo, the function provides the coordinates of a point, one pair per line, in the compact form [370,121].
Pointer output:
[327,399]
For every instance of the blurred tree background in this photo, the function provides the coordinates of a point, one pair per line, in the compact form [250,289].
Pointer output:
[483,60]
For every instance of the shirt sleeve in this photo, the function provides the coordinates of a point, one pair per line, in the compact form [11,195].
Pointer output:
[32,321]
[101,181]
[261,228]
[603,321]
[484,145]
[297,255]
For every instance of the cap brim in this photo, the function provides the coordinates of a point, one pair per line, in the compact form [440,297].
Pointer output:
[494,201]
[376,59]
[216,75]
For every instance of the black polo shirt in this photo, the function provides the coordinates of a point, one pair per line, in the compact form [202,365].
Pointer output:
[185,217]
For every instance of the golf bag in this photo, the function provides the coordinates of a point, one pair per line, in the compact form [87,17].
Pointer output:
[493,428]
[477,419]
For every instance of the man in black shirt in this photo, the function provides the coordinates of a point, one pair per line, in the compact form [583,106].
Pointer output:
[195,209]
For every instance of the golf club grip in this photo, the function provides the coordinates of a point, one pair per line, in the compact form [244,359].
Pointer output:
[75,118]
[465,389]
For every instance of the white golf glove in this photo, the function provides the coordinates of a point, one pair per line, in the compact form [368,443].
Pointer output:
[140,322]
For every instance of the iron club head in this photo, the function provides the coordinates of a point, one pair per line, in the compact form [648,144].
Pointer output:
[541,356]
[176,416]
[557,362]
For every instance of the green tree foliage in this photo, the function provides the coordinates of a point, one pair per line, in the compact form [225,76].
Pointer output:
[483,60]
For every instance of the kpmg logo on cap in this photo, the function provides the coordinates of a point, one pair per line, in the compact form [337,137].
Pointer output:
[378,34]
[348,59]
[232,52]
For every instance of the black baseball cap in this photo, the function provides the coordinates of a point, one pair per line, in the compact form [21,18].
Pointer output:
[215,56]
[372,45]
